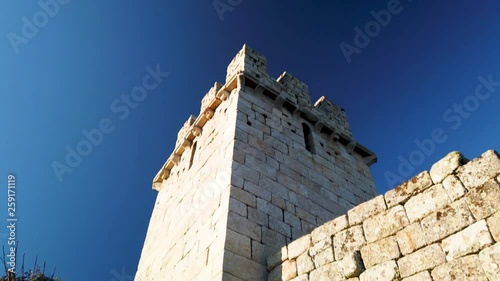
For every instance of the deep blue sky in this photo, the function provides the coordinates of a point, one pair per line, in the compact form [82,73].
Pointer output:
[64,80]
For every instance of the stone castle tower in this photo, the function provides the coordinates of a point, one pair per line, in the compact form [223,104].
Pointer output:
[264,185]
[259,167]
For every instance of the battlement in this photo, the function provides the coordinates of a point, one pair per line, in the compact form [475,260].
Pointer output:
[248,70]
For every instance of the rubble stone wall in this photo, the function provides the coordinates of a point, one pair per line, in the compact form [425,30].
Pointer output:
[440,225]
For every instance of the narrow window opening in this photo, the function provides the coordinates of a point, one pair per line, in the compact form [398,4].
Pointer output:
[193,151]
[308,138]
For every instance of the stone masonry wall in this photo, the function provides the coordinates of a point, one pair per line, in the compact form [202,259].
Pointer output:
[440,225]
[187,231]
[259,167]
[281,187]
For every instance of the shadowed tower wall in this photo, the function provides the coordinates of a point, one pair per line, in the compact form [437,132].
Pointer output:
[259,167]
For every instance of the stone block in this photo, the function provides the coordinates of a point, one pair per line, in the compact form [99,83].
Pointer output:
[490,261]
[238,244]
[466,268]
[352,265]
[283,272]
[404,191]
[273,239]
[330,228]
[237,207]
[243,226]
[421,276]
[381,251]
[426,202]
[483,200]
[319,246]
[291,219]
[258,217]
[259,252]
[280,227]
[299,246]
[347,241]
[367,209]
[385,224]
[256,190]
[423,259]
[244,196]
[494,226]
[454,187]
[277,258]
[270,209]
[303,277]
[446,166]
[479,170]
[304,264]
[243,268]
[324,257]
[331,271]
[387,271]
[447,220]
[470,240]
[411,238]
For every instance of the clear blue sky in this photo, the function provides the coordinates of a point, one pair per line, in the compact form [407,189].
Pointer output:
[70,75]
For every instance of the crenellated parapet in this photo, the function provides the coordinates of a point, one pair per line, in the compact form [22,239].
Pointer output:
[248,70]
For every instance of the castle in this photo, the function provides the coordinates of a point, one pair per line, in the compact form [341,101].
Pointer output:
[265,185]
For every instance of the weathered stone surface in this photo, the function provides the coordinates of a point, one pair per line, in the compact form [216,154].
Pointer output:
[446,166]
[483,200]
[238,243]
[385,224]
[454,187]
[446,221]
[243,268]
[277,258]
[347,241]
[352,265]
[465,268]
[423,259]
[285,271]
[331,271]
[479,170]
[490,261]
[304,264]
[320,246]
[387,271]
[494,226]
[401,193]
[289,270]
[303,277]
[325,257]
[421,276]
[472,239]
[299,246]
[367,209]
[426,202]
[381,251]
[411,238]
[330,228]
